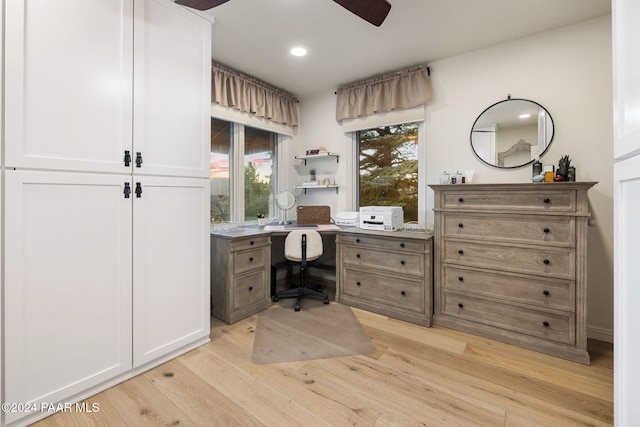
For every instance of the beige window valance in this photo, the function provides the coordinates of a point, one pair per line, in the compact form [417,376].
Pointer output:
[236,90]
[396,91]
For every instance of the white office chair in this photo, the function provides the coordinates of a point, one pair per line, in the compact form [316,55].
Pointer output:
[302,246]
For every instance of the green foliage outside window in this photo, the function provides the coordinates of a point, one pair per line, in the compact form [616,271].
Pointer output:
[389,168]
[257,193]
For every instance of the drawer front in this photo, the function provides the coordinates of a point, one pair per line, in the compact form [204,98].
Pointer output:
[407,295]
[552,262]
[554,294]
[395,245]
[403,263]
[249,289]
[249,260]
[249,243]
[550,326]
[534,200]
[524,228]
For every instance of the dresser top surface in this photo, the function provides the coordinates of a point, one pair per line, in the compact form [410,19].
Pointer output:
[545,186]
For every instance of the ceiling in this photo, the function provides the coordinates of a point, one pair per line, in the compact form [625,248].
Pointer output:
[255,36]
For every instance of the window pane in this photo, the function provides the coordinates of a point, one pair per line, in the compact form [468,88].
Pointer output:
[259,152]
[389,168]
[221,139]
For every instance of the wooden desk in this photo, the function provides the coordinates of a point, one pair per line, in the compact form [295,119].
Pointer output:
[241,261]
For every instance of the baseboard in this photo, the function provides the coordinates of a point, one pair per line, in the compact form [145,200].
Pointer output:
[600,334]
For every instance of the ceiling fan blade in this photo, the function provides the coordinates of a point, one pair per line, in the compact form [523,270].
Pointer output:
[373,11]
[201,4]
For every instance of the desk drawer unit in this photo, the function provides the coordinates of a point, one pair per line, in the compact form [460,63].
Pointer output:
[407,294]
[240,272]
[386,272]
[510,263]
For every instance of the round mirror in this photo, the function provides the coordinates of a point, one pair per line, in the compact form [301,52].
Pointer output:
[285,201]
[512,133]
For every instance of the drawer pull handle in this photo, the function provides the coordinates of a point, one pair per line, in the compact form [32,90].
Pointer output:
[547,262]
[547,200]
[460,225]
[403,293]
[546,230]
[460,251]
[250,259]
[357,240]
[250,288]
[357,283]
[402,245]
[545,324]
[546,292]
[402,262]
[460,278]
[461,305]
[251,242]
[460,199]
[358,255]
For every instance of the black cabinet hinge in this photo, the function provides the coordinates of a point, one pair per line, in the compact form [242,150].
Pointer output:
[138,159]
[138,190]
[127,158]
[127,190]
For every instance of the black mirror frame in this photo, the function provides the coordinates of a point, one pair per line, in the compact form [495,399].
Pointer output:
[500,102]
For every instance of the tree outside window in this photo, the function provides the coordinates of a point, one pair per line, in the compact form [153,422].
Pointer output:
[389,167]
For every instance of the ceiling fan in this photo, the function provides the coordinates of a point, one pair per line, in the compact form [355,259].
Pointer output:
[372,11]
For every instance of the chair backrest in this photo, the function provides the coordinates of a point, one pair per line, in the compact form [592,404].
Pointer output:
[293,245]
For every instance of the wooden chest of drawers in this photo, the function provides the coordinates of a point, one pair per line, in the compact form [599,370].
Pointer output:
[510,263]
[240,274]
[389,273]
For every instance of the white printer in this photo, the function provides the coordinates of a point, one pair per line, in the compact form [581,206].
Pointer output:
[381,218]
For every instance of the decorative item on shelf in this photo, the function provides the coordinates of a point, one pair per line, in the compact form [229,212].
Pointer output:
[563,167]
[445,178]
[571,175]
[549,173]
[262,221]
[537,168]
[312,174]
[468,176]
[314,151]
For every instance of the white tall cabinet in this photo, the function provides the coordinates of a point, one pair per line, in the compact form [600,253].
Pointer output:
[626,81]
[105,186]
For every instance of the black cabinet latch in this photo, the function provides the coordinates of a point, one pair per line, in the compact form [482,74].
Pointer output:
[127,158]
[138,190]
[138,159]
[127,190]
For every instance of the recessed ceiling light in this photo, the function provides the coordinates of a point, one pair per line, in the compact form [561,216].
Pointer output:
[298,51]
[524,116]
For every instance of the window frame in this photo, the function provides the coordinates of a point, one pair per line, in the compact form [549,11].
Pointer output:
[236,171]
[354,174]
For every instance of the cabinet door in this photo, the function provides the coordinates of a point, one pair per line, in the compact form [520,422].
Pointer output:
[171,265]
[68,81]
[172,90]
[627,292]
[67,284]
[626,84]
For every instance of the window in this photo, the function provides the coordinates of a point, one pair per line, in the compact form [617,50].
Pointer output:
[388,167]
[242,165]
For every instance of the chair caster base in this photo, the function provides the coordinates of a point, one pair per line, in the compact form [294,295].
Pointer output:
[326,299]
[275,298]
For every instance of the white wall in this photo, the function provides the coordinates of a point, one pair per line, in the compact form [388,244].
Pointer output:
[568,71]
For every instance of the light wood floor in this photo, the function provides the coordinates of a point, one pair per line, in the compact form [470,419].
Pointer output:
[419,376]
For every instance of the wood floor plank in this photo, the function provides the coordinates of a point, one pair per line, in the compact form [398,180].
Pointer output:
[258,399]
[203,404]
